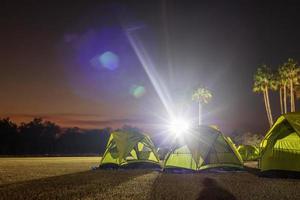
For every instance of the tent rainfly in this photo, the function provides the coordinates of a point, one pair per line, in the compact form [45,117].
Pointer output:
[129,147]
[248,152]
[280,149]
[203,148]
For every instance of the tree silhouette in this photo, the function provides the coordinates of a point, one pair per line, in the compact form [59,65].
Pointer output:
[290,73]
[282,82]
[8,136]
[202,96]
[263,81]
[39,137]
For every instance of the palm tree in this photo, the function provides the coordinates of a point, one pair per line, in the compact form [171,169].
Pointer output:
[297,91]
[291,73]
[202,96]
[282,72]
[279,85]
[263,81]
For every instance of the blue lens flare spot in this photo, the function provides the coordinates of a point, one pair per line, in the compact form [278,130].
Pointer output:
[109,60]
[137,91]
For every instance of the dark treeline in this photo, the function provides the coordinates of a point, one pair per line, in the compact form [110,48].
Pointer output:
[40,137]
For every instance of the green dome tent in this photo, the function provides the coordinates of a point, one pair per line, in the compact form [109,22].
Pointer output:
[248,152]
[280,149]
[129,147]
[231,142]
[203,148]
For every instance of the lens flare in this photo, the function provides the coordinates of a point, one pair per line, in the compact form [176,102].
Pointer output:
[137,91]
[109,60]
[150,69]
[179,126]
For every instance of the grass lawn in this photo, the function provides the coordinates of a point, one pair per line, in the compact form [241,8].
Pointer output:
[71,178]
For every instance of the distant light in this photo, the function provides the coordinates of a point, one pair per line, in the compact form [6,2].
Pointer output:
[109,60]
[137,91]
[179,126]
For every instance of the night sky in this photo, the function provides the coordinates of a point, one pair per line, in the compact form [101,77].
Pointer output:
[72,63]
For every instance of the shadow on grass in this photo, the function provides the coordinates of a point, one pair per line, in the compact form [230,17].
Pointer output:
[280,174]
[89,184]
[188,186]
[175,186]
[132,166]
[252,170]
[212,191]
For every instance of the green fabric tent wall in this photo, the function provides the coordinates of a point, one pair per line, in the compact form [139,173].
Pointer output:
[203,148]
[126,147]
[280,149]
[248,152]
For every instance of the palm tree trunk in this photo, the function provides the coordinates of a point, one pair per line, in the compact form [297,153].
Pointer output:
[281,103]
[200,117]
[266,106]
[294,103]
[292,96]
[269,107]
[284,98]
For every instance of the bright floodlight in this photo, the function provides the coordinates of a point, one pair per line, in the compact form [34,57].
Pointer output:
[179,126]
